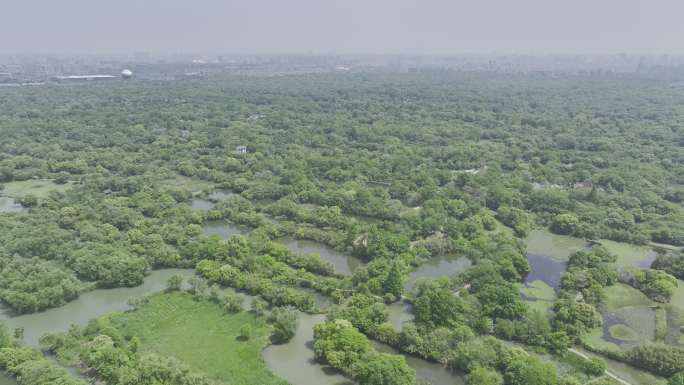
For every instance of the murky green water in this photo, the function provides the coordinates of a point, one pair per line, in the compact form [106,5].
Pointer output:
[545,269]
[9,205]
[6,380]
[89,305]
[630,255]
[431,372]
[221,195]
[437,267]
[223,228]
[548,253]
[558,247]
[202,204]
[344,264]
[294,361]
[399,313]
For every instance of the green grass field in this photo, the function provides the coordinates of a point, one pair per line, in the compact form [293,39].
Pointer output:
[539,290]
[203,336]
[558,247]
[595,340]
[539,295]
[675,314]
[632,306]
[621,295]
[628,255]
[40,188]
[624,333]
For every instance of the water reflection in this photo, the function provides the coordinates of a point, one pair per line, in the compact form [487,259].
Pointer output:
[6,380]
[294,361]
[223,228]
[399,314]
[648,260]
[610,320]
[202,204]
[437,267]
[343,263]
[89,305]
[9,205]
[430,372]
[545,269]
[221,195]
[558,247]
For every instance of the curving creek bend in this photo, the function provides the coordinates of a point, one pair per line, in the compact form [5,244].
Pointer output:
[293,361]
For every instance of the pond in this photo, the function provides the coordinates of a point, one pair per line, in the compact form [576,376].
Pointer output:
[6,380]
[343,263]
[557,247]
[629,255]
[220,195]
[545,269]
[429,372]
[648,260]
[437,267]
[89,305]
[9,205]
[223,228]
[547,255]
[629,326]
[399,314]
[610,321]
[294,361]
[202,204]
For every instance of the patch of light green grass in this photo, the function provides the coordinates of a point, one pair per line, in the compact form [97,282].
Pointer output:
[623,332]
[630,374]
[675,311]
[558,247]
[678,296]
[621,295]
[641,319]
[660,324]
[203,336]
[628,255]
[595,340]
[539,290]
[37,187]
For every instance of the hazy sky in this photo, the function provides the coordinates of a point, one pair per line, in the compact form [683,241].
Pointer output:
[349,26]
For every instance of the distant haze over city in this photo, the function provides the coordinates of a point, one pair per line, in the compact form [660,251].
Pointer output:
[351,26]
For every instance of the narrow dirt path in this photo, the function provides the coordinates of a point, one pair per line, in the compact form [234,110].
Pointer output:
[608,372]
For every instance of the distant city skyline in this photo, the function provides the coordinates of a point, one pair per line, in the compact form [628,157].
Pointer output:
[350,26]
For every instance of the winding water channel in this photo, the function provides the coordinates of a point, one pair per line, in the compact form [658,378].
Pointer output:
[89,305]
[430,372]
[9,205]
[223,228]
[440,266]
[6,380]
[548,254]
[344,264]
[293,361]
